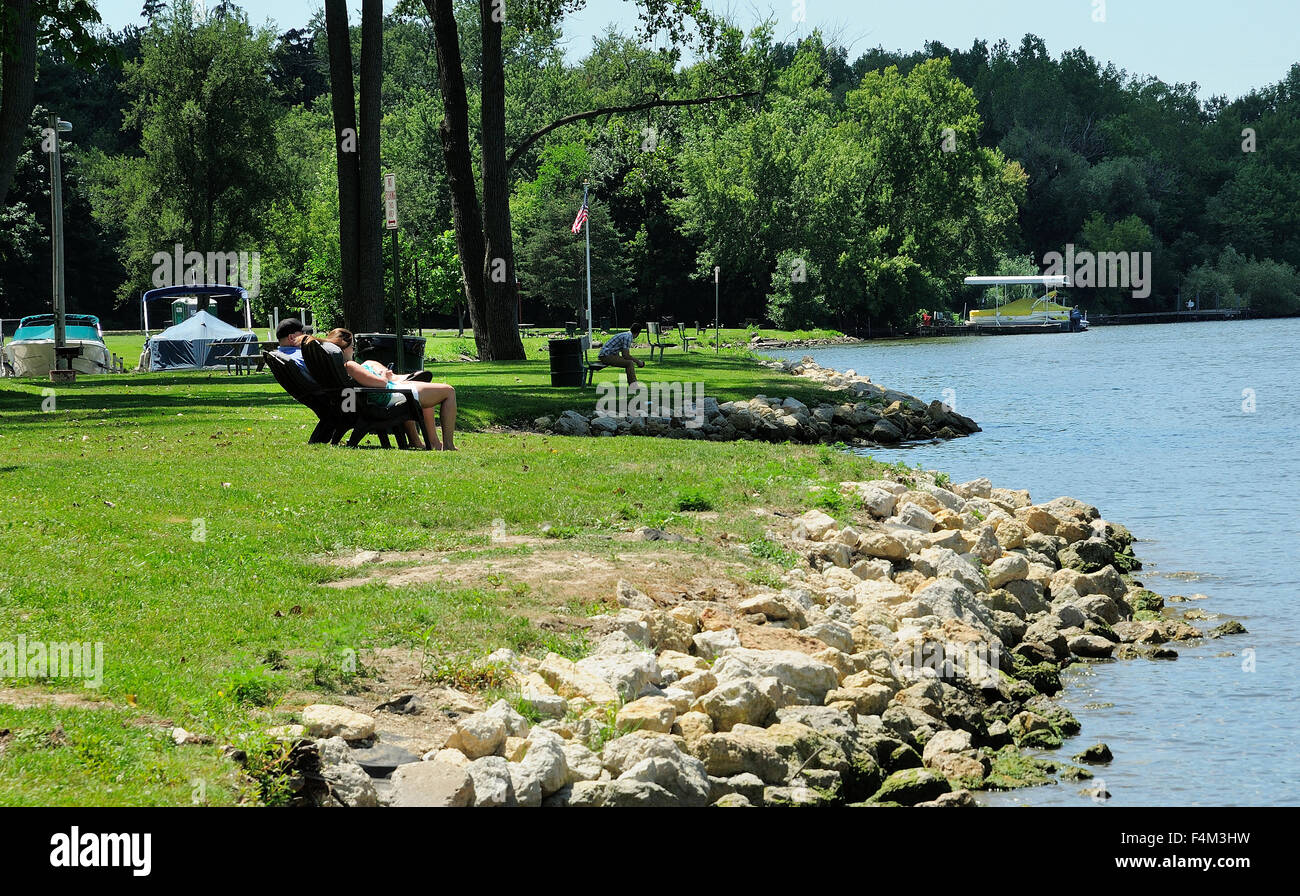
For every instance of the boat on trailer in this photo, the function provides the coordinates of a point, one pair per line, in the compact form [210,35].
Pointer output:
[31,350]
[1029,314]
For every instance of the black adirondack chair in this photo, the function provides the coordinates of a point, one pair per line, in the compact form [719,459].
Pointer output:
[332,424]
[364,409]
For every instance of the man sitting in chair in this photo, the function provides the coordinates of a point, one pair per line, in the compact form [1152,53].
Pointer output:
[290,334]
[617,352]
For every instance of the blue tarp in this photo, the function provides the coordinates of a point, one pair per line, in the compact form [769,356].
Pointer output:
[198,342]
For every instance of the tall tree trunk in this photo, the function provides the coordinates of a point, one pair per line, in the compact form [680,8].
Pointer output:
[370,206]
[467,220]
[17,84]
[345,153]
[503,342]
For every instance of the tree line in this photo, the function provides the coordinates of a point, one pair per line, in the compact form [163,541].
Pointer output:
[826,191]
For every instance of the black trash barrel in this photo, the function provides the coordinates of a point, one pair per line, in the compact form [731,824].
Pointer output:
[382,347]
[566,362]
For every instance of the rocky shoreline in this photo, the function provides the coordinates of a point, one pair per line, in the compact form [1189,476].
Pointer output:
[910,659]
[871,415]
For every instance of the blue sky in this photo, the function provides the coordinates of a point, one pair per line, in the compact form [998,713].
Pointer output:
[1226,47]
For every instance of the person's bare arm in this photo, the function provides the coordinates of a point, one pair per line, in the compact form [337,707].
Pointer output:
[364,377]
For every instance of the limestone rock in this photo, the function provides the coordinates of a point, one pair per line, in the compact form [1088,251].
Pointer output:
[647,714]
[711,645]
[433,784]
[325,720]
[882,545]
[348,781]
[812,525]
[569,681]
[745,749]
[692,726]
[741,701]
[1007,569]
[916,517]
[583,764]
[810,679]
[491,777]
[478,735]
[1091,646]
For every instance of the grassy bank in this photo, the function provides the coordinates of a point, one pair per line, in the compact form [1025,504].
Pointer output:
[182,521]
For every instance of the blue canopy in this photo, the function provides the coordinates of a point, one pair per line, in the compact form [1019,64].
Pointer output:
[196,343]
[215,290]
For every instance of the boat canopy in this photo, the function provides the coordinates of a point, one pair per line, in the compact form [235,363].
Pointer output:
[1047,281]
[211,290]
[84,327]
[1024,308]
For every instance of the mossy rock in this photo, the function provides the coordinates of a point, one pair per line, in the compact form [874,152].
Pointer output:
[1012,770]
[1124,561]
[912,786]
[903,757]
[863,777]
[1043,677]
[1145,600]
[1074,773]
[967,782]
[1087,556]
[1147,615]
[1042,739]
[1062,720]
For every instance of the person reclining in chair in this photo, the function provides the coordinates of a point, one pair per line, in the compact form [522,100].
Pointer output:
[435,398]
[617,352]
[290,334]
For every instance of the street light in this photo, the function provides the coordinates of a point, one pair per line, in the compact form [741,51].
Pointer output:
[58,126]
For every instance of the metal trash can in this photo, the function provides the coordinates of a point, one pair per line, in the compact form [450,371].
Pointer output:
[382,347]
[566,362]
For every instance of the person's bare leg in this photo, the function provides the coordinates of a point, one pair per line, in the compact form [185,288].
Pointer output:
[448,415]
[413,435]
[432,426]
[432,397]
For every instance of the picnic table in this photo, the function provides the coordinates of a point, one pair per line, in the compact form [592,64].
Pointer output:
[238,360]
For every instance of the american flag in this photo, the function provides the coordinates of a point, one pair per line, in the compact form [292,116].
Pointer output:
[581,219]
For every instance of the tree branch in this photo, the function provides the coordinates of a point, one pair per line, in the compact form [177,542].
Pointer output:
[615,110]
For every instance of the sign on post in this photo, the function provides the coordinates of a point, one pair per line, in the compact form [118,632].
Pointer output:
[390,201]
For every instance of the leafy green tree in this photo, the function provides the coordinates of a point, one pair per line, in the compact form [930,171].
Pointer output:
[796,299]
[208,172]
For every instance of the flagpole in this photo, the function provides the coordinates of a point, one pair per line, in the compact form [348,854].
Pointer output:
[587,224]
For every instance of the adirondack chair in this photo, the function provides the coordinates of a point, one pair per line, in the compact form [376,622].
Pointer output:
[331,424]
[367,409]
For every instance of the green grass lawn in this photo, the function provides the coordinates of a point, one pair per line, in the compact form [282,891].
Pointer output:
[178,519]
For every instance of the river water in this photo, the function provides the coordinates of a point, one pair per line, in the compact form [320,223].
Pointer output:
[1187,434]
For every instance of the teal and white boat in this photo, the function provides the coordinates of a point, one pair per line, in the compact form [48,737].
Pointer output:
[31,351]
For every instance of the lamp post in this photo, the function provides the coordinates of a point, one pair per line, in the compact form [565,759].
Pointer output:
[57,126]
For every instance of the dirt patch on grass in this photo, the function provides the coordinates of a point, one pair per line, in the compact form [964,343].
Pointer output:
[558,572]
[30,698]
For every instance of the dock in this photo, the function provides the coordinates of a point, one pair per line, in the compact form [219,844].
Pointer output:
[1168,317]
